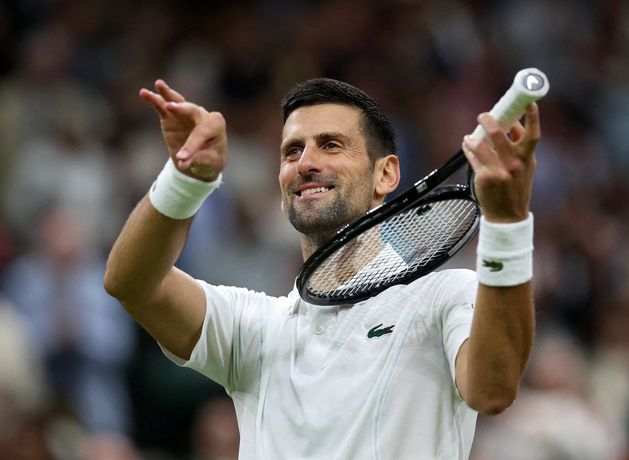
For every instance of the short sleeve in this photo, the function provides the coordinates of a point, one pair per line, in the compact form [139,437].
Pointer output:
[230,335]
[455,311]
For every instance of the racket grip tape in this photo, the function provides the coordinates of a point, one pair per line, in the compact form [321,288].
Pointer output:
[528,86]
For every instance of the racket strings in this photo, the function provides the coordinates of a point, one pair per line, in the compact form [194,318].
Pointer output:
[403,245]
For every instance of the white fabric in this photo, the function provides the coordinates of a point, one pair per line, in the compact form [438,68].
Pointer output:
[387,259]
[308,383]
[177,195]
[505,253]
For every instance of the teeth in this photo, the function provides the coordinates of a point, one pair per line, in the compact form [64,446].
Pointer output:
[310,191]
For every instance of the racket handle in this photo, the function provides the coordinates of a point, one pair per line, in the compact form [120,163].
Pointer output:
[528,86]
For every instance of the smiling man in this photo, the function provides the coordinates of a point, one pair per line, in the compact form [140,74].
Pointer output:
[327,175]
[398,376]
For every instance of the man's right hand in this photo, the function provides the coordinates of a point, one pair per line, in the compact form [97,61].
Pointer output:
[140,273]
[196,139]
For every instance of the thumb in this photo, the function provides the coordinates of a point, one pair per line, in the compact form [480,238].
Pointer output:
[206,127]
[199,139]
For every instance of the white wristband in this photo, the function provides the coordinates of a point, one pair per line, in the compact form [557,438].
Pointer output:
[505,253]
[177,195]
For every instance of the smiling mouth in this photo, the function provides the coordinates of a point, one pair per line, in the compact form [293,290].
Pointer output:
[312,191]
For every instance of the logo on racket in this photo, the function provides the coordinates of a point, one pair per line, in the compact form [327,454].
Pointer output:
[493,265]
[533,81]
[377,332]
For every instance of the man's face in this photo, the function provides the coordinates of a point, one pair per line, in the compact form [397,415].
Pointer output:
[326,175]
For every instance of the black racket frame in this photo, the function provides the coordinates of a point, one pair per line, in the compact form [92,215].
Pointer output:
[423,191]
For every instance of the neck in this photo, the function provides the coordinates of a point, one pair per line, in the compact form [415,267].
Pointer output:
[310,243]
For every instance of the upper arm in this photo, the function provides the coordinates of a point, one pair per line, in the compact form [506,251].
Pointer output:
[461,369]
[455,313]
[491,362]
[174,315]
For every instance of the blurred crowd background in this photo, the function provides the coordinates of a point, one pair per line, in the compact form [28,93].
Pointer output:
[78,148]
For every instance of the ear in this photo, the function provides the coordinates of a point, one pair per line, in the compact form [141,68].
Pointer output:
[386,176]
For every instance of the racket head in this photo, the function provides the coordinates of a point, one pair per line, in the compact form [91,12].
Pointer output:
[390,246]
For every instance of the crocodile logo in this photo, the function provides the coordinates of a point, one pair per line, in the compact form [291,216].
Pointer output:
[494,266]
[378,331]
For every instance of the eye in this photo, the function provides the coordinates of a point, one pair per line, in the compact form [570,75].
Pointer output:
[292,152]
[331,145]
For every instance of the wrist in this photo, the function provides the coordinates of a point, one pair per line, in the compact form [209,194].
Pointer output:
[505,220]
[505,252]
[178,196]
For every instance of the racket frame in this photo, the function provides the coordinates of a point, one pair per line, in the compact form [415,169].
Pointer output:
[528,85]
[414,197]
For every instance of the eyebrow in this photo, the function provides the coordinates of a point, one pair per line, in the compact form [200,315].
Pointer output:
[322,137]
[319,138]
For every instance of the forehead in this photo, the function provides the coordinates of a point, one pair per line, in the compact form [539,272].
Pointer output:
[311,120]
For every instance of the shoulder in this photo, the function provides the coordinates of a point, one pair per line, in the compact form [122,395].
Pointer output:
[445,290]
[432,292]
[448,281]
[243,298]
[453,292]
[457,275]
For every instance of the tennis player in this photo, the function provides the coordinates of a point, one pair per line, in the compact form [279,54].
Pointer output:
[401,375]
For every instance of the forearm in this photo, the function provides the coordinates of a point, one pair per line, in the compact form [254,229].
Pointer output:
[144,253]
[503,325]
[167,302]
[499,345]
[492,361]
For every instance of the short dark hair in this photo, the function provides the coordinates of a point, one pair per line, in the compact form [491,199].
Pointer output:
[378,132]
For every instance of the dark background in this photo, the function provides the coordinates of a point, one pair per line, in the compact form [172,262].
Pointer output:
[78,149]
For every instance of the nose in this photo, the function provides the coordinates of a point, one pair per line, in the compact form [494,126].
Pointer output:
[310,160]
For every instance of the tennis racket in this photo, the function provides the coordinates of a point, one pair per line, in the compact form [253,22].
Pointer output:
[414,233]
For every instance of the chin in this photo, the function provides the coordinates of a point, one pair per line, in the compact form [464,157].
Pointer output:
[321,220]
[319,228]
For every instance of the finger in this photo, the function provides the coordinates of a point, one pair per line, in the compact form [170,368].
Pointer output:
[485,156]
[200,138]
[194,113]
[532,124]
[517,131]
[495,133]
[206,127]
[154,100]
[167,92]
[471,157]
[204,157]
[209,131]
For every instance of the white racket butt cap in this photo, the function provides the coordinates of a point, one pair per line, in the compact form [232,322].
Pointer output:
[528,86]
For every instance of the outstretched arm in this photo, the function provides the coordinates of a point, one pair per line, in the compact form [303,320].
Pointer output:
[491,362]
[140,272]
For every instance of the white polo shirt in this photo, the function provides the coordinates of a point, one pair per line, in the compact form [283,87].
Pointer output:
[374,380]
